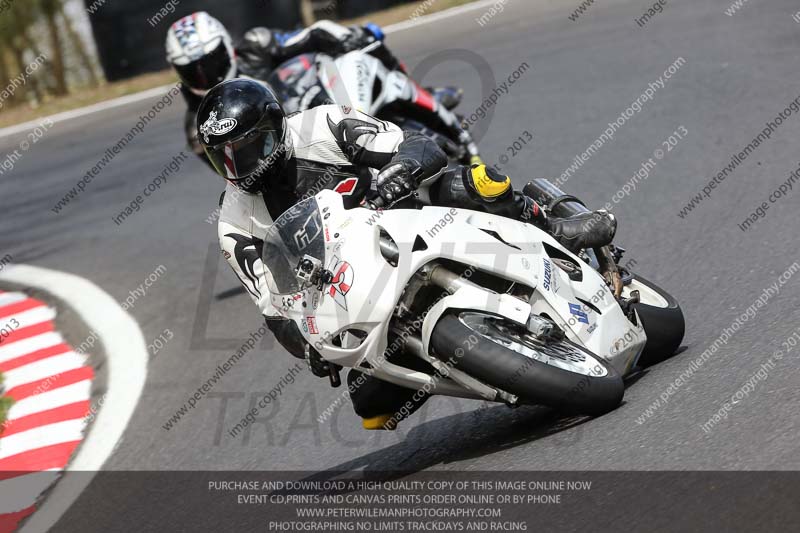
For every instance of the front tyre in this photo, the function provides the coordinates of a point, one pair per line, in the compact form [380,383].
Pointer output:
[661,318]
[503,354]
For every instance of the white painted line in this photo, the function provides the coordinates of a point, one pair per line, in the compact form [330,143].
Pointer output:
[18,492]
[31,317]
[433,17]
[39,437]
[88,110]
[42,369]
[29,345]
[50,399]
[126,352]
[8,298]
[132,98]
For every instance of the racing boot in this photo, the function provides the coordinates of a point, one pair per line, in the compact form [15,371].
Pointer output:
[575,233]
[449,97]
[380,404]
[584,230]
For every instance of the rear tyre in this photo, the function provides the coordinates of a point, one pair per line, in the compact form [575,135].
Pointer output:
[661,318]
[503,354]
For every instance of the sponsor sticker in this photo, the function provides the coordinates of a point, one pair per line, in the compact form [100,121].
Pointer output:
[346,187]
[288,301]
[212,126]
[342,282]
[575,310]
[548,276]
[310,230]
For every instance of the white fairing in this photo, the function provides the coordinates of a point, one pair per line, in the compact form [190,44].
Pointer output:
[350,78]
[366,287]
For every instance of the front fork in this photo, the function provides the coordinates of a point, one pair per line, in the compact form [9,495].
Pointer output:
[455,286]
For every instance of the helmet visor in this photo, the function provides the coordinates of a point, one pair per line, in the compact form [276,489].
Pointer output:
[237,160]
[207,71]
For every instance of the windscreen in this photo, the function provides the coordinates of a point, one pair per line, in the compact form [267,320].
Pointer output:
[296,233]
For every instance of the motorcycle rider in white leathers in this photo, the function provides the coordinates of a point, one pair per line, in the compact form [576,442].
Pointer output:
[271,162]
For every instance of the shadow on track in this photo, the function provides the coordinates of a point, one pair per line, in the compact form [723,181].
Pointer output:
[459,437]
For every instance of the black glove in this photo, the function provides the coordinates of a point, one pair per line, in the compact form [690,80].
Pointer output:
[396,181]
[288,335]
[358,38]
[319,366]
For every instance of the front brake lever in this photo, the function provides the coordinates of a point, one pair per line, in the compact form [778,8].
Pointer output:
[325,277]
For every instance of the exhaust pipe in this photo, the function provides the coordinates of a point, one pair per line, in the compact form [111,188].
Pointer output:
[559,203]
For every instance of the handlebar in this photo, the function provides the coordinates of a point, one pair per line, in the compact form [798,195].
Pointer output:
[376,203]
[371,46]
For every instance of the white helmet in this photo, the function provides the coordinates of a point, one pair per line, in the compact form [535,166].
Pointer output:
[201,51]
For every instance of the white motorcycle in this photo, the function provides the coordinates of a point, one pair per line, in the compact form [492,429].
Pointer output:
[495,308]
[359,81]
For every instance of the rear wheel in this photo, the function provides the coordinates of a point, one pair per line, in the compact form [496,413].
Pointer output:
[661,318]
[503,354]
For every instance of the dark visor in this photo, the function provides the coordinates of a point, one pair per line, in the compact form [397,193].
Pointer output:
[209,70]
[238,160]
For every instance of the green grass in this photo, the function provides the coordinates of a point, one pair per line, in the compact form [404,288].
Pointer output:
[5,405]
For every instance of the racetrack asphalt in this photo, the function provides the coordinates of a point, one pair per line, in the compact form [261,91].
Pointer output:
[739,72]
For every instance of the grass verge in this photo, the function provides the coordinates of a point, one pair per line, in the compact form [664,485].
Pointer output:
[108,91]
[86,96]
[5,405]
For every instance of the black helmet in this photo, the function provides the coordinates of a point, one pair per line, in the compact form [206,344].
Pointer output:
[242,128]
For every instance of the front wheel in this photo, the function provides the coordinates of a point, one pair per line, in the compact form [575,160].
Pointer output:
[503,354]
[661,318]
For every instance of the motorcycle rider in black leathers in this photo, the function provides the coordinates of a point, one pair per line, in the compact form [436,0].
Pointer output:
[271,162]
[202,53]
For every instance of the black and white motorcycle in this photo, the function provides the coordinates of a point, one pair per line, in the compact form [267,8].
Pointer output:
[361,81]
[494,308]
